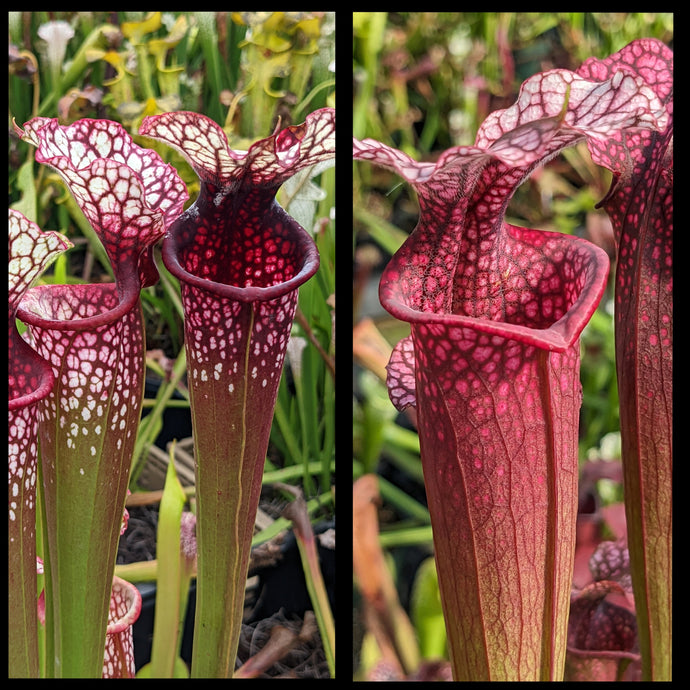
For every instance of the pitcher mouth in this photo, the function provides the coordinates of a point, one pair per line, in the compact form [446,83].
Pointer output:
[553,338]
[306,266]
[30,311]
[554,330]
[557,337]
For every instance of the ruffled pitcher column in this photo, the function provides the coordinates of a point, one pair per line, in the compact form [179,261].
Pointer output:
[640,204]
[492,366]
[240,259]
[93,336]
[30,379]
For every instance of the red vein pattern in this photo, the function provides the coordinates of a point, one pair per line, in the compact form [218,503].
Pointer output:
[93,336]
[29,380]
[640,204]
[126,192]
[240,259]
[492,365]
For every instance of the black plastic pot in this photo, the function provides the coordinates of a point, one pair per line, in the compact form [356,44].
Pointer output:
[281,588]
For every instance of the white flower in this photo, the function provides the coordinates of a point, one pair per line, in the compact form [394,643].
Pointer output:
[56,35]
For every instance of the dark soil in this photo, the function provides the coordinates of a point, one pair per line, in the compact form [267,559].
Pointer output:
[278,597]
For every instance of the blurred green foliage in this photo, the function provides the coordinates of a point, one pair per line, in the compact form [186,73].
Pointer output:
[425,81]
[126,65]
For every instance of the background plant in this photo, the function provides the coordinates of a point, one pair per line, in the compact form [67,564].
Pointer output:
[124,66]
[424,82]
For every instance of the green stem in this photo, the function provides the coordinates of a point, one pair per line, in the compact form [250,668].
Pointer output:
[329,435]
[144,69]
[306,543]
[301,109]
[319,597]
[373,42]
[166,622]
[208,38]
[281,418]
